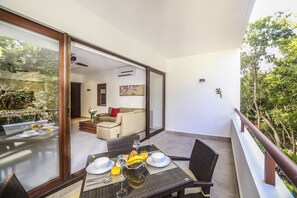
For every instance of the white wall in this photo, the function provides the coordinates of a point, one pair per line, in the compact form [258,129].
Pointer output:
[70,17]
[77,78]
[195,107]
[113,82]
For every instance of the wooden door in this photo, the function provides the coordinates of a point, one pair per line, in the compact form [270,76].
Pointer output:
[75,100]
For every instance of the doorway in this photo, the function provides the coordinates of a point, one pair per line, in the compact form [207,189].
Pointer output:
[75,100]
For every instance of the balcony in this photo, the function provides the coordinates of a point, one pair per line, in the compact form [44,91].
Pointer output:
[239,171]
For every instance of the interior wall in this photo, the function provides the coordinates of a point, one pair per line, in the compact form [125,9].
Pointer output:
[113,83]
[77,78]
[70,17]
[194,106]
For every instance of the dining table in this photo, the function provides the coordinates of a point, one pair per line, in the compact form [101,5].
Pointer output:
[144,181]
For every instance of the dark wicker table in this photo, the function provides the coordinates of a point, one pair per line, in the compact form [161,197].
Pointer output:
[155,185]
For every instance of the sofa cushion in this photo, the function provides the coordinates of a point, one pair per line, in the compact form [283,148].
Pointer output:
[107,124]
[119,117]
[114,112]
[138,110]
[125,110]
[106,119]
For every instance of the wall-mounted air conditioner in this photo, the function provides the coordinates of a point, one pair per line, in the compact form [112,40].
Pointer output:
[126,72]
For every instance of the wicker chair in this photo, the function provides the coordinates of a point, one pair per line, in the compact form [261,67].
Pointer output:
[201,167]
[121,143]
[11,187]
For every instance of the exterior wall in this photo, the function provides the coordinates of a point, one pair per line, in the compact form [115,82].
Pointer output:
[249,164]
[70,17]
[113,82]
[194,106]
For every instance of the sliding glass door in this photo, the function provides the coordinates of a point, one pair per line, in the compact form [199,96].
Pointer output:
[30,97]
[157,102]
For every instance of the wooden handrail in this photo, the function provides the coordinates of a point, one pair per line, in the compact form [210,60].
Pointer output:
[285,163]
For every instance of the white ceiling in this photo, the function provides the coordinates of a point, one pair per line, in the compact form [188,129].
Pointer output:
[177,28]
[95,61]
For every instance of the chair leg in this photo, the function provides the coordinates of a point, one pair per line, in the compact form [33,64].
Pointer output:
[181,193]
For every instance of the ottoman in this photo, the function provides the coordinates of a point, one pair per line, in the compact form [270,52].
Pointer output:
[107,130]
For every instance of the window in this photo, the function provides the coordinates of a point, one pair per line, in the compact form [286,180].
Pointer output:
[101,94]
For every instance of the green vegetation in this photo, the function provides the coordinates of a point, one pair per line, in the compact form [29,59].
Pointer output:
[269,79]
[29,81]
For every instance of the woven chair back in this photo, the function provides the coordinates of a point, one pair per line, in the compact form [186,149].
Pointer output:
[121,143]
[11,187]
[203,161]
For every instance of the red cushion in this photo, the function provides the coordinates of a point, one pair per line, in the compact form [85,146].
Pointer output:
[114,112]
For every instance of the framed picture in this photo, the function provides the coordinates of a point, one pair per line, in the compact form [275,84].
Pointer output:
[132,90]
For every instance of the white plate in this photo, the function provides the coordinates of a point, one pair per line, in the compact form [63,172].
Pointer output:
[23,135]
[165,162]
[93,170]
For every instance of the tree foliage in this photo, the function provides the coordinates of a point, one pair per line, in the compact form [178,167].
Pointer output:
[29,76]
[269,78]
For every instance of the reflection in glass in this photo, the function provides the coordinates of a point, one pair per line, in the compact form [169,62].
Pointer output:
[156,102]
[29,93]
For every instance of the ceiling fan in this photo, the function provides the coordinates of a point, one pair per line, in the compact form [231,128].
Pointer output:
[73,61]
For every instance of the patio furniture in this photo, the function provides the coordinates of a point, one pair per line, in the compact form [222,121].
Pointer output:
[11,187]
[149,181]
[202,164]
[121,143]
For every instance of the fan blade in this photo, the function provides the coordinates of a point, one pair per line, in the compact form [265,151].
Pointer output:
[81,64]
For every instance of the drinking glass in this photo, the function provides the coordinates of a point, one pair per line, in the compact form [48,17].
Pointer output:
[136,144]
[121,162]
[122,192]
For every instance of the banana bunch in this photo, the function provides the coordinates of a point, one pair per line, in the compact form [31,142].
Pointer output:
[135,159]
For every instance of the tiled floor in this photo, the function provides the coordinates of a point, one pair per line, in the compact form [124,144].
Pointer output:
[171,143]
[82,145]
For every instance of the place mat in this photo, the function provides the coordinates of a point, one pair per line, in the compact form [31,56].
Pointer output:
[98,183]
[153,170]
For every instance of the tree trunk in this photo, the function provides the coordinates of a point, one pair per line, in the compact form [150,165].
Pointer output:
[255,83]
[275,134]
[291,136]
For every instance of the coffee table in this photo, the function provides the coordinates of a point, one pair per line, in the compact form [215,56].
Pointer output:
[88,126]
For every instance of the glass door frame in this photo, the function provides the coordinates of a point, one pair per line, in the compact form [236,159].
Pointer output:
[148,90]
[64,149]
[65,176]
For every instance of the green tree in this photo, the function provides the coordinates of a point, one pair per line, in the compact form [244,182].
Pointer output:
[268,93]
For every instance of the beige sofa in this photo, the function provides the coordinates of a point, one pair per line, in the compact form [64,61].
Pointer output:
[124,124]
[106,117]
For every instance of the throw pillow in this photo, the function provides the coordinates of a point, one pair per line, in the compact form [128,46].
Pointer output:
[114,112]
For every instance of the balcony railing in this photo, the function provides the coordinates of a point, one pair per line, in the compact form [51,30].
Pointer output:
[272,154]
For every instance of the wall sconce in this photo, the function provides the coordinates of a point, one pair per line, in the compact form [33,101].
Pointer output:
[219,92]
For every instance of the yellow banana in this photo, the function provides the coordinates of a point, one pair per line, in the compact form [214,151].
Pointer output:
[136,157]
[134,162]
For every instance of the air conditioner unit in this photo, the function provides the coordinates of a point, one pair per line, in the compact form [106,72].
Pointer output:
[126,72]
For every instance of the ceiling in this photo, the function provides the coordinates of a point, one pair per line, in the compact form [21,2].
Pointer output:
[177,28]
[95,61]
